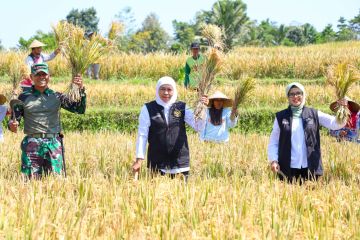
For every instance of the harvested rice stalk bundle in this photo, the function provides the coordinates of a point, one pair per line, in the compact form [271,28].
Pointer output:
[342,76]
[246,86]
[80,53]
[62,33]
[17,70]
[211,67]
[116,29]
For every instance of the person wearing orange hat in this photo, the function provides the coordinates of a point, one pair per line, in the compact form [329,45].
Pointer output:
[220,119]
[351,130]
[35,57]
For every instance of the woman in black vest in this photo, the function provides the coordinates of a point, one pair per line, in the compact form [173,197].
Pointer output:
[294,148]
[162,125]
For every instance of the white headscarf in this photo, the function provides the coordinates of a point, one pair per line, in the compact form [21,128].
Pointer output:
[301,87]
[163,81]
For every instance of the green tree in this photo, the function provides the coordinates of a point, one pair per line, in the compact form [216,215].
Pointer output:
[46,38]
[126,17]
[1,46]
[345,32]
[229,15]
[151,37]
[327,35]
[310,33]
[184,35]
[85,18]
[355,24]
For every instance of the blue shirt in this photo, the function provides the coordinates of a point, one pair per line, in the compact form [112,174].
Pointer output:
[219,133]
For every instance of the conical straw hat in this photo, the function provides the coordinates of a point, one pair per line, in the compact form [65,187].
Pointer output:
[353,106]
[36,44]
[219,95]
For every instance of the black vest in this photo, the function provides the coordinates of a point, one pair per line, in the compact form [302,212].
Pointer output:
[168,145]
[311,127]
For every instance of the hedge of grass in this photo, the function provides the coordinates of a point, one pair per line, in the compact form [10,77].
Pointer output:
[250,120]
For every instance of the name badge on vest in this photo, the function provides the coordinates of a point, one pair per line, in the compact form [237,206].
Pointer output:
[177,113]
[285,122]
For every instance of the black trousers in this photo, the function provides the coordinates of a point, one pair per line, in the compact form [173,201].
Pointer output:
[301,175]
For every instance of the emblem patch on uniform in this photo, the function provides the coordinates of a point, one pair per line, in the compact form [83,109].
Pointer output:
[285,122]
[177,113]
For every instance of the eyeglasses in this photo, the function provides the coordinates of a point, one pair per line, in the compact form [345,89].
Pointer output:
[295,94]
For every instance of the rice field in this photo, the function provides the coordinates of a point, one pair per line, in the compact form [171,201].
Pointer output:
[231,194]
[275,62]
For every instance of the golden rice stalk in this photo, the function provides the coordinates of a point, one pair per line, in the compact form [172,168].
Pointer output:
[116,29]
[211,67]
[213,35]
[79,52]
[342,76]
[17,69]
[246,86]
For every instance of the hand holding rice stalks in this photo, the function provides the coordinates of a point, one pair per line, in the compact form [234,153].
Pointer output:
[211,67]
[79,52]
[246,86]
[342,76]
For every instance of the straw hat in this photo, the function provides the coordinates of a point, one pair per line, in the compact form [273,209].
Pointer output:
[36,44]
[353,106]
[219,95]
[3,99]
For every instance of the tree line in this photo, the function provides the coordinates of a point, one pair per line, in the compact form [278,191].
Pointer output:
[230,15]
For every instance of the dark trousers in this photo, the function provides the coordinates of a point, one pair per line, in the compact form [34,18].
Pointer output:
[185,175]
[301,175]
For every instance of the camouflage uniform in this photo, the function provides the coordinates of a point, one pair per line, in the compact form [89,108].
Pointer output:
[41,113]
[41,155]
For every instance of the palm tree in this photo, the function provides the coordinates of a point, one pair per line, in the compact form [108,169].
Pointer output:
[230,15]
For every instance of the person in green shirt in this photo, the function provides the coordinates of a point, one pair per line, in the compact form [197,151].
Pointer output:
[39,107]
[193,67]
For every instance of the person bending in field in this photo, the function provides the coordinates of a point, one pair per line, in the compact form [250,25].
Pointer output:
[36,56]
[351,131]
[220,118]
[294,149]
[40,108]
[162,125]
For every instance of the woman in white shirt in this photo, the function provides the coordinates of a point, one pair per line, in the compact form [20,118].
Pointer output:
[3,110]
[294,149]
[162,125]
[220,118]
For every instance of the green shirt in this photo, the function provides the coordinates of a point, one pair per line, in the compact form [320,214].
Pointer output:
[41,111]
[192,71]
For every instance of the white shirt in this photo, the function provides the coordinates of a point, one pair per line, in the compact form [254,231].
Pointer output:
[298,146]
[3,110]
[43,58]
[143,131]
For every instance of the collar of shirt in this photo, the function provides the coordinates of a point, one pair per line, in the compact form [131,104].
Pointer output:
[37,93]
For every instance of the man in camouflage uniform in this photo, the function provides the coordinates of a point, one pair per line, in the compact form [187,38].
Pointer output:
[42,151]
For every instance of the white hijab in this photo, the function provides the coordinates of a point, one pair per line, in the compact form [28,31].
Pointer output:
[163,81]
[301,87]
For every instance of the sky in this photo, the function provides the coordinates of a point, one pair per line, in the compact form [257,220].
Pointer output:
[22,18]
